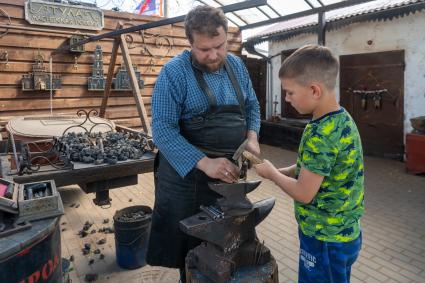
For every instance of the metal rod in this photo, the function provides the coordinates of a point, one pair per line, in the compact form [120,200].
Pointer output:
[309,3]
[226,9]
[203,2]
[321,40]
[264,13]
[274,10]
[51,85]
[306,13]
[236,15]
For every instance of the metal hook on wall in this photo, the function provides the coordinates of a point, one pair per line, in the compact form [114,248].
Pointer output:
[75,66]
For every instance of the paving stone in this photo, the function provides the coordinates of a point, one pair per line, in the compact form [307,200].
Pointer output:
[386,263]
[373,273]
[369,263]
[397,276]
[418,264]
[413,276]
[414,256]
[406,266]
[396,255]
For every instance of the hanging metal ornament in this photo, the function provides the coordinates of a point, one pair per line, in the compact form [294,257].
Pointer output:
[75,66]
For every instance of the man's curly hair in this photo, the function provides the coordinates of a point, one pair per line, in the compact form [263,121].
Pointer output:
[204,20]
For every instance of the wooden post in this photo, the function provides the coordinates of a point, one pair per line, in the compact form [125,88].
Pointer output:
[120,41]
[135,86]
[111,69]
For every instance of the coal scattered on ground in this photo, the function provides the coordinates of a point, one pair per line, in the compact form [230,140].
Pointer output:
[91,277]
[106,230]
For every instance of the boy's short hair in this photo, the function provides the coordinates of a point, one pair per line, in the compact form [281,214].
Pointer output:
[204,20]
[311,63]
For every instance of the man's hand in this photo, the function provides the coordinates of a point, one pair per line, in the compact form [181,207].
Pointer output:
[219,168]
[253,146]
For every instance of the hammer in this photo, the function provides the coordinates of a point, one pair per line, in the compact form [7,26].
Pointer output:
[248,155]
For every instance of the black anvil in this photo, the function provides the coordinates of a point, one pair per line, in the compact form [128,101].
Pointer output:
[228,232]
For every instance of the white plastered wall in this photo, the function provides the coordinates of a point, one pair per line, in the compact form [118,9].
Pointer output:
[405,33]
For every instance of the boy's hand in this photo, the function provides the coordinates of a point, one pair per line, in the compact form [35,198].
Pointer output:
[288,171]
[266,169]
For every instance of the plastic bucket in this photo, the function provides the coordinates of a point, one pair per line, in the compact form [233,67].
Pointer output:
[132,228]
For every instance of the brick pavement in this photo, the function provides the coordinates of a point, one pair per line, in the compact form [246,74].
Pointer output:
[393,224]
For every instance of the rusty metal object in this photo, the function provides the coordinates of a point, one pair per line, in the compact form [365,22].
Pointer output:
[228,231]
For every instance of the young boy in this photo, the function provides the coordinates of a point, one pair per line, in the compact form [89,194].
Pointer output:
[327,180]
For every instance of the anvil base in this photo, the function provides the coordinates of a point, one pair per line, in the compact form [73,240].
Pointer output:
[252,262]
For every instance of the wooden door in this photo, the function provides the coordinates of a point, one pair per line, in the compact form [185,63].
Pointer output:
[257,69]
[372,90]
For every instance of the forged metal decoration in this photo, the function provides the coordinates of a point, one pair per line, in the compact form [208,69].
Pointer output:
[87,147]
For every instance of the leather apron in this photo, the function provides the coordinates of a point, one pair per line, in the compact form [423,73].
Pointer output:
[218,133]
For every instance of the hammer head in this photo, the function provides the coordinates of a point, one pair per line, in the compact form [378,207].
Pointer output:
[240,150]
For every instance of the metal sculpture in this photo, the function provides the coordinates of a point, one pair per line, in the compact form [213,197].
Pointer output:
[97,80]
[122,79]
[39,79]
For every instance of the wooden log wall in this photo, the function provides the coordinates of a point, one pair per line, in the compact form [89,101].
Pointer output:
[149,52]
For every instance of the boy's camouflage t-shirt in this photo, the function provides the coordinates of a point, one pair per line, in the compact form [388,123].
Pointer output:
[331,147]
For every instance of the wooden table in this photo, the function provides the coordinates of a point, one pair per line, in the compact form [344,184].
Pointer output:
[91,178]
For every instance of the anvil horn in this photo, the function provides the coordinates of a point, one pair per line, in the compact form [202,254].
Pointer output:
[235,189]
[262,208]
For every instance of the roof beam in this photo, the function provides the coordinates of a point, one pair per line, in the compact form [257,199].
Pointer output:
[226,9]
[203,2]
[306,13]
[236,15]
[264,13]
[309,4]
[274,10]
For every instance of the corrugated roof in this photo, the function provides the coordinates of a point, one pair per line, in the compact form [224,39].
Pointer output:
[307,24]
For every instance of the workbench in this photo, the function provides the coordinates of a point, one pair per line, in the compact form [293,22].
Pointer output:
[97,179]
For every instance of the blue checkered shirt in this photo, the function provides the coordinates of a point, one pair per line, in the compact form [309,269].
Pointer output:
[177,96]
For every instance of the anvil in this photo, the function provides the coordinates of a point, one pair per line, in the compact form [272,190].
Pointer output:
[229,240]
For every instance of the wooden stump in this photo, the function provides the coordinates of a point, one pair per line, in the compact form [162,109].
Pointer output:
[266,273]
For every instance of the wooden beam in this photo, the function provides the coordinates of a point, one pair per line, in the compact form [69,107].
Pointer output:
[135,86]
[111,69]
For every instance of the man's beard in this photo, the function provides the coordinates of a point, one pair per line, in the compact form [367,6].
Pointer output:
[207,67]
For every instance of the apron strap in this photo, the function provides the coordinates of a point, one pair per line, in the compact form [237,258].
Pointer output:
[204,86]
[236,86]
[212,101]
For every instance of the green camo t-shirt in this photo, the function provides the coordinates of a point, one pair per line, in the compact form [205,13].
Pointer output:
[331,147]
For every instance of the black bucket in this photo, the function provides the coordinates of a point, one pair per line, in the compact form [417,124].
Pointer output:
[131,235]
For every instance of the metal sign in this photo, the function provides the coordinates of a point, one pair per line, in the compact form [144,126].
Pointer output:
[38,12]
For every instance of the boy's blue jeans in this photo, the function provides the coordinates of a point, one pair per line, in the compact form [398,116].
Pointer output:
[326,262]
